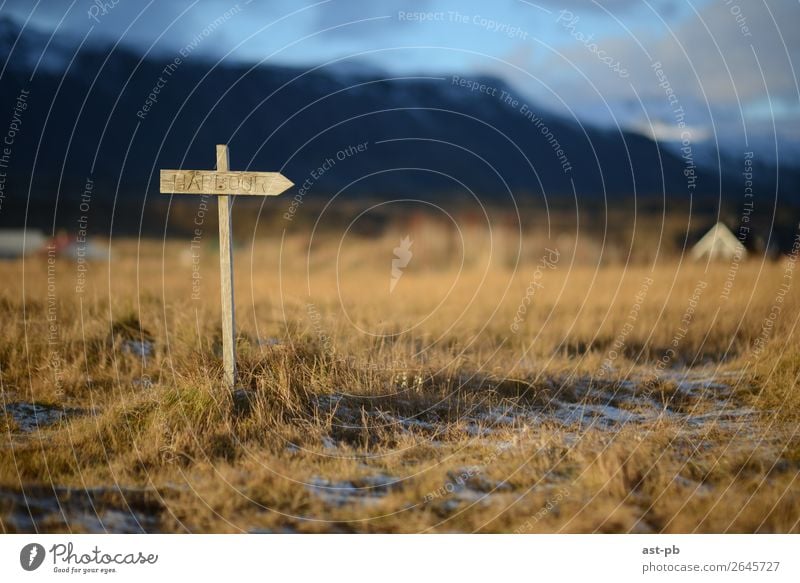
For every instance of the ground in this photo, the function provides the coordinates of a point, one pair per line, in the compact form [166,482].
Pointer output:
[494,393]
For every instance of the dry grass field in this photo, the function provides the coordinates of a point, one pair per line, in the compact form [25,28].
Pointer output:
[484,393]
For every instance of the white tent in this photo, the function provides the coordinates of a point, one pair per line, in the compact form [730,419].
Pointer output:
[718,243]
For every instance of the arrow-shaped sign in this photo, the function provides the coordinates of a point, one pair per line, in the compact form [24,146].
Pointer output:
[219,182]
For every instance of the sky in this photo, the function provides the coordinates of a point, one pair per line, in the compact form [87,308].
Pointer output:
[723,69]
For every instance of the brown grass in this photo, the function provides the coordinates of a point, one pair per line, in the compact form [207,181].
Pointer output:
[323,402]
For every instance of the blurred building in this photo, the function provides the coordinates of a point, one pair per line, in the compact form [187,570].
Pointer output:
[19,242]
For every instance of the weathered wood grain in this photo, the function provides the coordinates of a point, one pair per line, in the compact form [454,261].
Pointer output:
[226,275]
[223,182]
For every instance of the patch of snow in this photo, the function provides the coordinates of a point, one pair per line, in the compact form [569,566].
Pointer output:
[142,348]
[328,442]
[365,490]
[32,416]
[87,510]
[603,415]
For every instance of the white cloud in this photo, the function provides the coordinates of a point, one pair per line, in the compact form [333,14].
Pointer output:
[668,132]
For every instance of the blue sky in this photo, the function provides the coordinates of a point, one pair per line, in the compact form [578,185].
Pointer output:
[728,64]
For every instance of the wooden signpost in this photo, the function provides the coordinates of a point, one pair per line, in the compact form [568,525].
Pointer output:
[225,183]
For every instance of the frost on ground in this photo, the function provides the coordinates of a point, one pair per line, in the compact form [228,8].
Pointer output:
[576,407]
[694,404]
[28,417]
[89,510]
[453,458]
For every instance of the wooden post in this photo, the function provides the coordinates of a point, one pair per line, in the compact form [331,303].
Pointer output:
[225,183]
[226,274]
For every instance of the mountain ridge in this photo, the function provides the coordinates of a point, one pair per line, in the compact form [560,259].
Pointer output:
[115,118]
